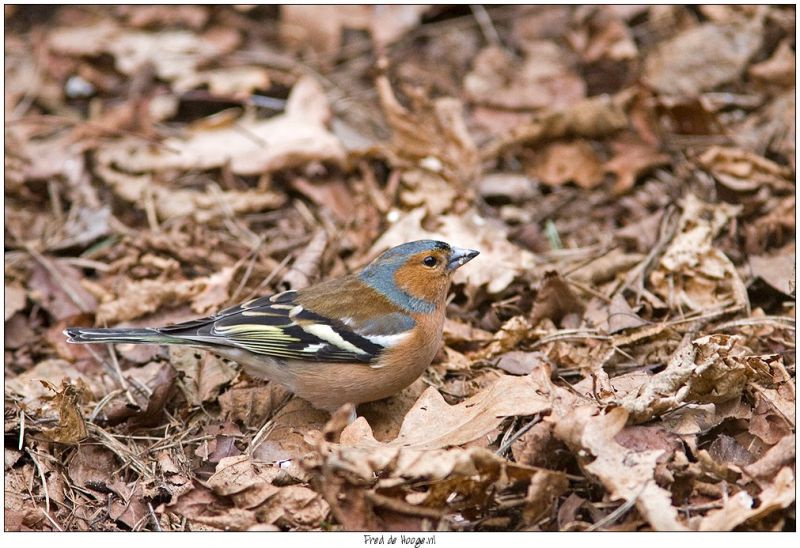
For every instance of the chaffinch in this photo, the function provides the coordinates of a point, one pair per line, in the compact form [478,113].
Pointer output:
[354,339]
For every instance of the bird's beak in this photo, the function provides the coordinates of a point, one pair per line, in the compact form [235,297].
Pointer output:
[460,257]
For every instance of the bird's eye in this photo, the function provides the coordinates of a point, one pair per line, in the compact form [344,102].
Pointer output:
[429,261]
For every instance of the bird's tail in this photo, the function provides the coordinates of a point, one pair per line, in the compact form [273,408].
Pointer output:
[121,335]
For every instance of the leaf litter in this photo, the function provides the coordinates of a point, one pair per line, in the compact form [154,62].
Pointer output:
[619,357]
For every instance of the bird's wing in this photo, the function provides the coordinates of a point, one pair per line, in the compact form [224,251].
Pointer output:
[280,327]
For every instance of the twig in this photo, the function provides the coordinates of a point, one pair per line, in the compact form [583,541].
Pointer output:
[153,515]
[57,276]
[619,512]
[566,334]
[666,231]
[53,521]
[41,476]
[115,371]
[518,434]
[21,429]
[265,430]
[781,321]
[249,270]
[486,24]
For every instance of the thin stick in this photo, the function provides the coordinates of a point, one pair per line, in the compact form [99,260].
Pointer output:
[485,22]
[619,512]
[41,476]
[21,429]
[518,434]
[153,515]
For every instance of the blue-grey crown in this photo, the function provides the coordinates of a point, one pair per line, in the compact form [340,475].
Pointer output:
[379,274]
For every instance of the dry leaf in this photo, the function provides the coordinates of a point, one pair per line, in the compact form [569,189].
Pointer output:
[778,69]
[702,58]
[779,455]
[142,297]
[71,427]
[710,369]
[55,285]
[204,373]
[739,508]
[777,269]
[554,300]
[544,78]
[249,146]
[745,171]
[693,274]
[247,482]
[251,405]
[432,423]
[627,474]
[632,158]
[203,206]
[321,27]
[15,300]
[432,135]
[573,161]
[50,372]
[174,54]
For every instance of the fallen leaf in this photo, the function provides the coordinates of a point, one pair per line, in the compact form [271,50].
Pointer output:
[702,58]
[432,135]
[777,269]
[544,78]
[739,508]
[693,274]
[779,455]
[249,146]
[625,473]
[251,405]
[15,300]
[71,427]
[295,505]
[564,162]
[204,206]
[590,118]
[141,297]
[511,187]
[521,363]
[621,316]
[321,27]
[127,506]
[432,423]
[744,171]
[726,450]
[91,464]
[603,35]
[554,300]
[55,285]
[233,82]
[710,369]
[51,372]
[778,69]
[247,482]
[174,54]
[214,294]
[632,158]
[774,413]
[204,373]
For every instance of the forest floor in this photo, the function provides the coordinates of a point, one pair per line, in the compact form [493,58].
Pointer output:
[621,356]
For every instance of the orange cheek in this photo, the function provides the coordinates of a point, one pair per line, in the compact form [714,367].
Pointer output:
[421,282]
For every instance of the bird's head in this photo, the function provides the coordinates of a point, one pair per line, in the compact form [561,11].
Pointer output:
[416,275]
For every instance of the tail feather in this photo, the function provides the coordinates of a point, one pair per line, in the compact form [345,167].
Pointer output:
[121,335]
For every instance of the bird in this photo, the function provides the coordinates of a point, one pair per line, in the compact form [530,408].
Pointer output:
[349,340]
